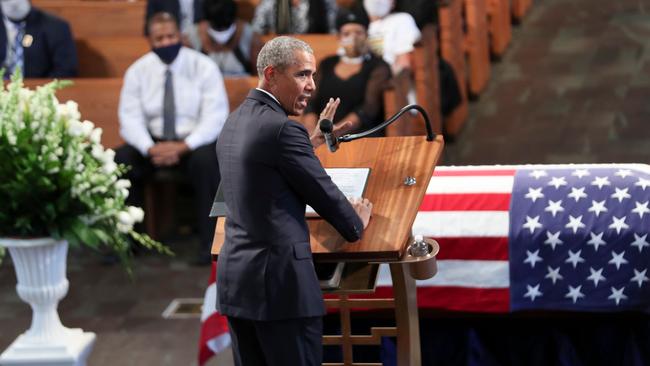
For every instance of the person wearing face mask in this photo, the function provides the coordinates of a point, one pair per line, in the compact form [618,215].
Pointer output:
[229,42]
[37,43]
[172,107]
[188,13]
[356,76]
[391,35]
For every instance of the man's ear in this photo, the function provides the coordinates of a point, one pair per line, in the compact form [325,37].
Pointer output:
[269,74]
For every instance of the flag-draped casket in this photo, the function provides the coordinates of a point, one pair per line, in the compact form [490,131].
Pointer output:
[564,237]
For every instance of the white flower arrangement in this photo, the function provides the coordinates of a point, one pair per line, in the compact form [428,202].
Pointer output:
[57,178]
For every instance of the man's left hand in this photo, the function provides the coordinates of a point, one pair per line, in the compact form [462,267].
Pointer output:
[328,112]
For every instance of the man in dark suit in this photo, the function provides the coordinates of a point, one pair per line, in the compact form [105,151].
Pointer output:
[267,286]
[37,42]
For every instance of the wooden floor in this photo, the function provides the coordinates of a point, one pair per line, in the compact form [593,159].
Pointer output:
[573,86]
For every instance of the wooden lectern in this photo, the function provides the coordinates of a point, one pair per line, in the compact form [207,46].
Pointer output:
[400,171]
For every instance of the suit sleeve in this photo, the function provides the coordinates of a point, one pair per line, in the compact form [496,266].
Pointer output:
[306,176]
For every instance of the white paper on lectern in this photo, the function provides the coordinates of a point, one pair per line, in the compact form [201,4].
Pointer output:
[351,181]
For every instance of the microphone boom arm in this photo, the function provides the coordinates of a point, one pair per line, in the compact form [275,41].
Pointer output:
[427,124]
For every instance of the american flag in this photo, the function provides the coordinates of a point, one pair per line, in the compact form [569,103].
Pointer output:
[214,336]
[536,237]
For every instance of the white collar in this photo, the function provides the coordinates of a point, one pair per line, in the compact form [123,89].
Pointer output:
[270,95]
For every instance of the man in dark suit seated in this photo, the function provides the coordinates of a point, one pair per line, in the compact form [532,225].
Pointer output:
[36,42]
[267,285]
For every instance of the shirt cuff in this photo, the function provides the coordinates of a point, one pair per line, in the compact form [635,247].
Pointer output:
[145,146]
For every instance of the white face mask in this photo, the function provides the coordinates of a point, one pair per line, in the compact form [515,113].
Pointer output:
[378,8]
[223,36]
[15,9]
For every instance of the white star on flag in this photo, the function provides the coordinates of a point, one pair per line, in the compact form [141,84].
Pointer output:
[574,293]
[640,277]
[641,208]
[532,258]
[623,173]
[597,207]
[577,193]
[538,174]
[617,259]
[644,183]
[534,194]
[554,207]
[620,194]
[640,242]
[532,223]
[553,239]
[575,223]
[600,182]
[596,276]
[533,292]
[553,274]
[557,182]
[618,224]
[617,295]
[580,173]
[574,258]
[596,240]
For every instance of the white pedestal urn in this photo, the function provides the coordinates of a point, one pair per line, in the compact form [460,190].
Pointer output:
[41,272]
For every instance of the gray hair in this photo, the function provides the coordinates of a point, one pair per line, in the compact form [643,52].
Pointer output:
[279,53]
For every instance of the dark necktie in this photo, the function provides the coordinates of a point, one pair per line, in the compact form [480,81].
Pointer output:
[169,109]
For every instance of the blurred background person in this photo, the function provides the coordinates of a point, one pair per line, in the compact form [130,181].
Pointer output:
[356,76]
[38,43]
[228,41]
[172,108]
[307,16]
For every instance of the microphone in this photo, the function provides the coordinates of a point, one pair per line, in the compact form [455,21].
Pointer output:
[326,127]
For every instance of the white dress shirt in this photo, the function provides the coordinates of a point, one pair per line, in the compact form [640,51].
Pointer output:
[393,35]
[200,100]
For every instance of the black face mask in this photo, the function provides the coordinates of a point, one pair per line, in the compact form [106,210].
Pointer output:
[167,54]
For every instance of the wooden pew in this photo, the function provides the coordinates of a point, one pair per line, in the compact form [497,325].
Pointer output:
[476,45]
[109,57]
[98,18]
[500,25]
[520,8]
[452,50]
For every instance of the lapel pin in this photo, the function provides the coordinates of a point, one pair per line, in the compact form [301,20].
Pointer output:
[28,40]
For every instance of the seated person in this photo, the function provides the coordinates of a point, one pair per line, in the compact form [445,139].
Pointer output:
[172,107]
[35,42]
[229,42]
[391,36]
[307,16]
[188,13]
[357,77]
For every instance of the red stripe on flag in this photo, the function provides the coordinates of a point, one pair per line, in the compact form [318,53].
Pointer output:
[479,248]
[214,326]
[484,300]
[478,173]
[466,202]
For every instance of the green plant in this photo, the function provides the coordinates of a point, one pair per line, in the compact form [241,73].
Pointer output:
[57,179]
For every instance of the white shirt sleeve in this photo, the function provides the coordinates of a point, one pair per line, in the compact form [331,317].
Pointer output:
[404,33]
[133,125]
[213,109]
